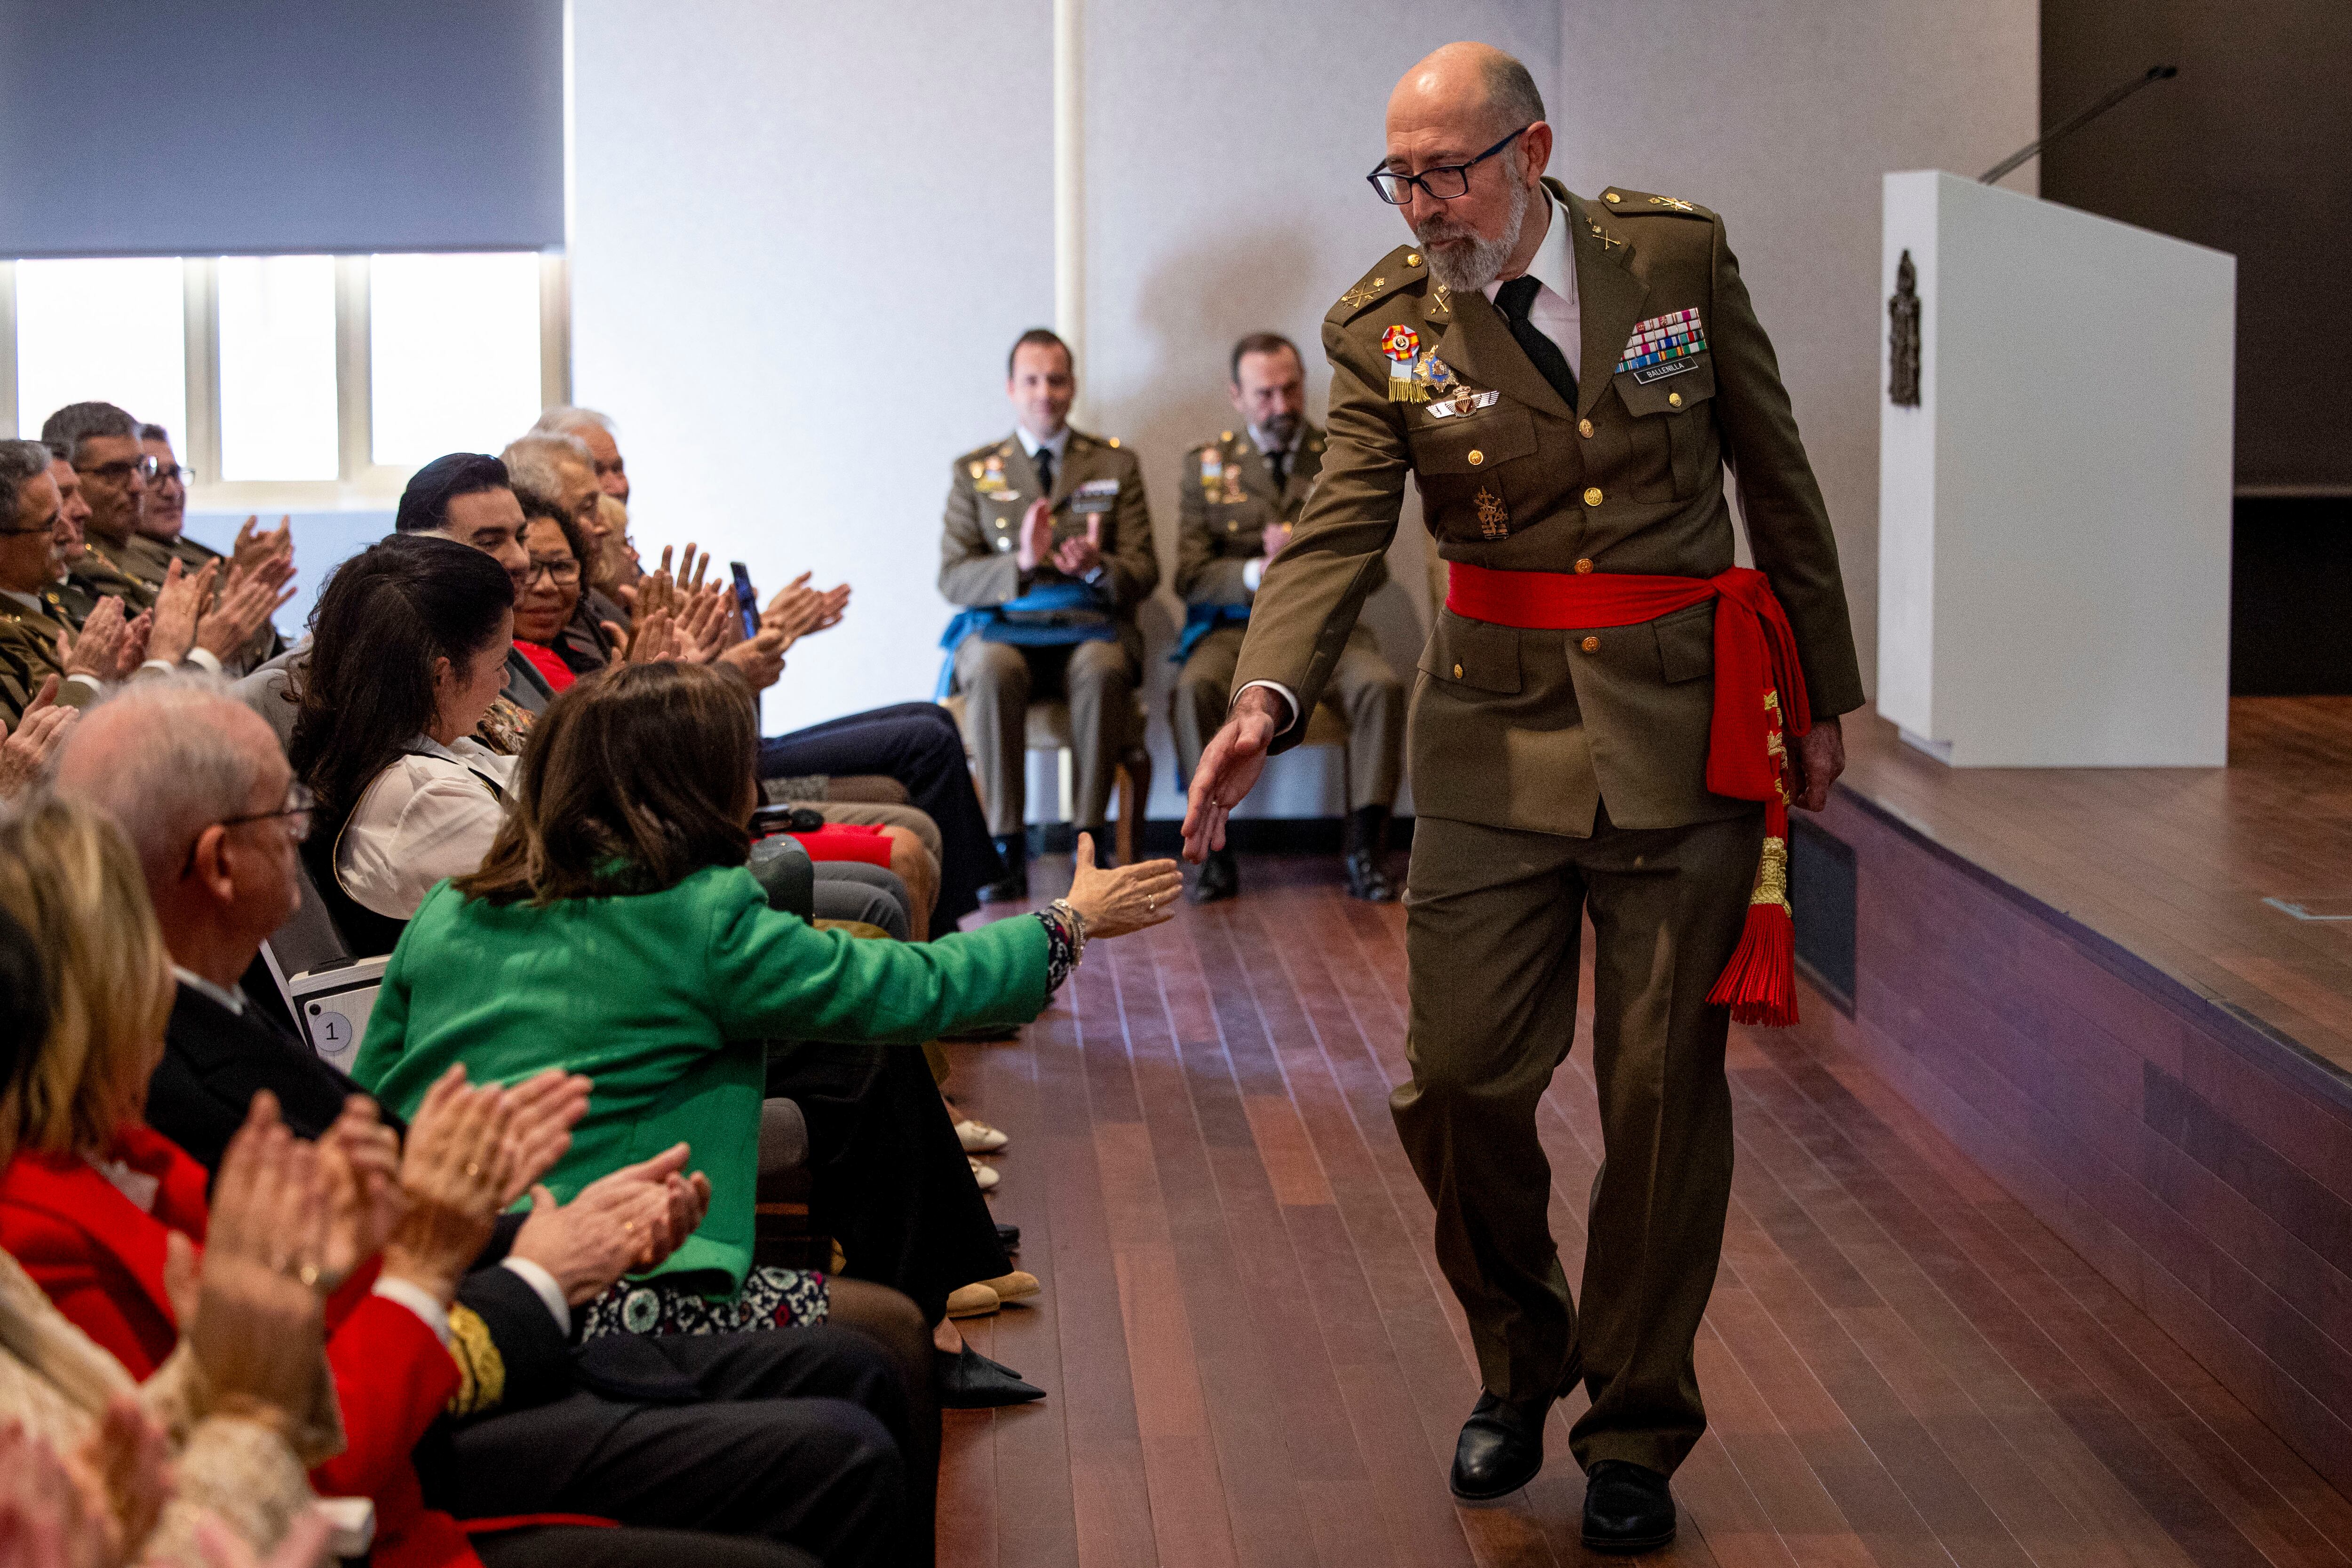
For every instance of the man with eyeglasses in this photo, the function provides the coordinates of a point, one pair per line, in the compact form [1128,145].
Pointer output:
[163,518]
[1603,724]
[101,442]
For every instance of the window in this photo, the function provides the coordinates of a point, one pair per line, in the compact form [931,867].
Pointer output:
[292,382]
[106,331]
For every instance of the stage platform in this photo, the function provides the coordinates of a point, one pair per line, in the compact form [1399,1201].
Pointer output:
[2127,995]
[1253,1362]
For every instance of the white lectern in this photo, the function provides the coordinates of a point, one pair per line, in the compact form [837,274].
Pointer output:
[2054,517]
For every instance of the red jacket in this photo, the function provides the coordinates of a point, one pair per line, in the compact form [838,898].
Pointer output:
[100,1259]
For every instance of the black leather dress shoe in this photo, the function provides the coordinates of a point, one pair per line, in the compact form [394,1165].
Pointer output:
[1367,881]
[1220,878]
[1627,1508]
[1500,1448]
[1007,1236]
[969,1381]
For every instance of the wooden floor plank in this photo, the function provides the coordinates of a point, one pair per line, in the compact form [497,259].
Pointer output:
[1253,1358]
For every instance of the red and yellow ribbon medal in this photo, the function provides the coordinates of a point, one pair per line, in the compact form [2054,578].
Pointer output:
[1401,344]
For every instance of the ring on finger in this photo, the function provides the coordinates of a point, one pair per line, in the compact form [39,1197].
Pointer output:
[309,1274]
[473,1170]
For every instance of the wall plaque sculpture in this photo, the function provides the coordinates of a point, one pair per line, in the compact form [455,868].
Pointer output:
[1903,335]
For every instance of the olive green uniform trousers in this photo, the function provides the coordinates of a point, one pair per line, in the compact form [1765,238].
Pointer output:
[1494,925]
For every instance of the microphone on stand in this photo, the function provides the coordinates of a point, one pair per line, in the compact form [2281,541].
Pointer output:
[2155,74]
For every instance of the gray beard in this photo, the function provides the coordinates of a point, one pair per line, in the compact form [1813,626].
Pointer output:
[1469,269]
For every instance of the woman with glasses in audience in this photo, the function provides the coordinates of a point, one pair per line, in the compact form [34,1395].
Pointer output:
[615,922]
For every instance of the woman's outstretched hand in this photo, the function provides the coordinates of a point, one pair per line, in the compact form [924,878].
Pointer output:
[1114,902]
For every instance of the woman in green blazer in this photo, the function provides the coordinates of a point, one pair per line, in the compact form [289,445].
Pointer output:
[613,930]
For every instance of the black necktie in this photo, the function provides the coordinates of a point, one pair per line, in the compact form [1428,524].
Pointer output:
[1515,299]
[1045,469]
[1278,462]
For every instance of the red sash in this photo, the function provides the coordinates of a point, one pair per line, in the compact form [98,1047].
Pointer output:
[1759,696]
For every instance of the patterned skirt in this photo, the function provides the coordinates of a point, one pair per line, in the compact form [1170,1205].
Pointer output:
[770,1299]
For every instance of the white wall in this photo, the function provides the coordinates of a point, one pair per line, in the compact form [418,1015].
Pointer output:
[1782,117]
[802,237]
[1225,148]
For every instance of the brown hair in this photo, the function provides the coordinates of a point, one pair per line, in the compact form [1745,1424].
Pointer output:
[633,781]
[70,878]
[1260,343]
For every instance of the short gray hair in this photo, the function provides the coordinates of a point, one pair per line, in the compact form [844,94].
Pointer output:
[182,771]
[570,419]
[21,461]
[532,460]
[67,429]
[1511,96]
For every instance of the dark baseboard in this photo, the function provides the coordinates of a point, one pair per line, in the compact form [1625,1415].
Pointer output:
[1251,836]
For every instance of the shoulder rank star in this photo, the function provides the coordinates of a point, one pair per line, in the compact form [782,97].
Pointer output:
[1401,344]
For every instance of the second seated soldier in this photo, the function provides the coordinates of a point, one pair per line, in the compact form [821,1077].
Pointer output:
[1047,547]
[1598,728]
[1240,495]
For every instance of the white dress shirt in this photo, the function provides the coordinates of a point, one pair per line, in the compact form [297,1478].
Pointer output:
[1058,443]
[1556,313]
[1253,570]
[429,815]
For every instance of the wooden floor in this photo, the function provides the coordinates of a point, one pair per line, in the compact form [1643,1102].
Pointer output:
[2175,864]
[1252,1358]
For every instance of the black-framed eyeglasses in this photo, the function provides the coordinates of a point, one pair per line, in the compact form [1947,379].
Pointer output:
[300,801]
[1446,182]
[121,468]
[557,572]
[163,472]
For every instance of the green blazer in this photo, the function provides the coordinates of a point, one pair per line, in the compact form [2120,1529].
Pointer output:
[665,999]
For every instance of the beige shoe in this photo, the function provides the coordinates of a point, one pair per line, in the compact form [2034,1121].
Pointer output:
[979,1138]
[973,1302]
[1017,1286]
[986,1175]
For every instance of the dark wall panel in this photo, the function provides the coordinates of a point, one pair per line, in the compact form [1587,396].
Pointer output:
[2250,151]
[173,127]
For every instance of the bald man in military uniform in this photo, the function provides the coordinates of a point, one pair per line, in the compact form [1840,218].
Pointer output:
[1564,378]
[1238,496]
[1048,513]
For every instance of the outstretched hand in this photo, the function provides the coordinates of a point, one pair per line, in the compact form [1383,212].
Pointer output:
[1229,768]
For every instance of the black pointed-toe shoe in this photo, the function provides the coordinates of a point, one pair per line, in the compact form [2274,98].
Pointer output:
[1220,878]
[1500,1448]
[969,1381]
[1368,879]
[1627,1508]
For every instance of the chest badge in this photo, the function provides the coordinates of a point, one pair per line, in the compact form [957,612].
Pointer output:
[1401,344]
[1494,518]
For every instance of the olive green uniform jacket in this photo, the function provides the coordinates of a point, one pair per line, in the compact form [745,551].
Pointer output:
[992,486]
[1531,729]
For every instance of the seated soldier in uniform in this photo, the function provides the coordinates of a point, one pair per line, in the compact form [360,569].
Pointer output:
[102,443]
[1239,495]
[163,518]
[1047,547]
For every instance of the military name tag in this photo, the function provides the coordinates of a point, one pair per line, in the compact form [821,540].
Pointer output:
[1467,403]
[1649,373]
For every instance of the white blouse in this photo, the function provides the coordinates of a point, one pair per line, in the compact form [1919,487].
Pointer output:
[430,815]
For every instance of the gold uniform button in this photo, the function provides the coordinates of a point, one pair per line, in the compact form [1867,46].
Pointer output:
[1227,436]
[1584,428]
[1476,457]
[1590,644]
[1412,258]
[1611,196]
[1673,400]
[1457,672]
[1592,496]
[1584,564]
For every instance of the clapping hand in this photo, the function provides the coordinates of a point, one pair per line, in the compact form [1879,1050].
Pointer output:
[39,729]
[1273,540]
[455,1172]
[253,547]
[95,651]
[1036,541]
[799,610]
[361,1157]
[760,660]
[542,1112]
[245,603]
[1076,557]
[626,1222]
